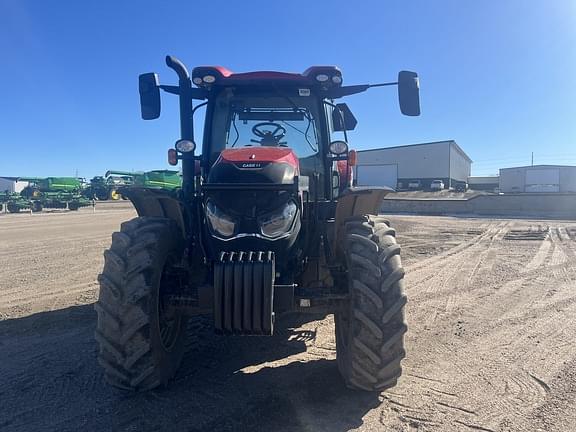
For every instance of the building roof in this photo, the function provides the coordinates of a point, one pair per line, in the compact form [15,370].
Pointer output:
[10,178]
[539,166]
[451,142]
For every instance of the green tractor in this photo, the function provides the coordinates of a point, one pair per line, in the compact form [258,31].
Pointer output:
[102,188]
[97,189]
[266,222]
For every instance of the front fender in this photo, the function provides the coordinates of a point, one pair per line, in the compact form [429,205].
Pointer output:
[157,203]
[356,201]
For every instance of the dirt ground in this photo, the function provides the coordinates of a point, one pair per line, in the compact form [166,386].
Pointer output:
[492,315]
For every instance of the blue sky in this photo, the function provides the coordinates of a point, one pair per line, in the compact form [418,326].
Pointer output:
[499,77]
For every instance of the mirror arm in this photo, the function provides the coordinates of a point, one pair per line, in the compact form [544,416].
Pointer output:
[338,92]
[195,93]
[170,89]
[383,84]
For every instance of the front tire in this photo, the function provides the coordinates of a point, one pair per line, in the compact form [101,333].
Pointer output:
[370,330]
[141,346]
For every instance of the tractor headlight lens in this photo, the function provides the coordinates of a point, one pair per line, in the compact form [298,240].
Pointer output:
[209,79]
[322,77]
[185,146]
[220,222]
[338,147]
[278,223]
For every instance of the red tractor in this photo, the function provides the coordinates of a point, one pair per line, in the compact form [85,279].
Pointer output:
[266,222]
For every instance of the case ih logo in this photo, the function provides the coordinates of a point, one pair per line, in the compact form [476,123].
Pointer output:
[251,165]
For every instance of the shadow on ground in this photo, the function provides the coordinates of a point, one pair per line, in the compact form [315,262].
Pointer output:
[49,380]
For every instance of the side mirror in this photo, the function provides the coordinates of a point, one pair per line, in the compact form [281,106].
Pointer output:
[409,93]
[342,112]
[149,88]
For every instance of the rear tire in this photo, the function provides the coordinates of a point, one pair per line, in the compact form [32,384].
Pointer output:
[101,195]
[370,331]
[141,347]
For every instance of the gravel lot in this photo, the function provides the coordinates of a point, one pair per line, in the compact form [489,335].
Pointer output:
[492,317]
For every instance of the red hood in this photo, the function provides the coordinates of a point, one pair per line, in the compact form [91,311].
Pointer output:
[260,154]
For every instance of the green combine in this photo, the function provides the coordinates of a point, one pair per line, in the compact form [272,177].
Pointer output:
[37,185]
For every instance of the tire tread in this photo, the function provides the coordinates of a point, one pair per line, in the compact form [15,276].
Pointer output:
[372,359]
[123,328]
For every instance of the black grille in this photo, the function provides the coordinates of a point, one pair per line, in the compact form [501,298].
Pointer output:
[244,293]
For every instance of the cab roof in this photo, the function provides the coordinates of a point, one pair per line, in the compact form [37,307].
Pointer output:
[208,76]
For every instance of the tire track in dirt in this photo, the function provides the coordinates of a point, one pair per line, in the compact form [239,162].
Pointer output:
[499,340]
[515,391]
[441,258]
[457,268]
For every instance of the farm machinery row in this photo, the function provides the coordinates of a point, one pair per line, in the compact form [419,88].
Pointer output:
[73,193]
[109,186]
[49,193]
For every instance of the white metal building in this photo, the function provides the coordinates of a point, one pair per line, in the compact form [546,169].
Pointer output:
[538,178]
[486,183]
[11,184]
[396,166]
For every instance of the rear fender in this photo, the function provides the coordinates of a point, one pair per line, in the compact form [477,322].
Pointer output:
[356,201]
[157,203]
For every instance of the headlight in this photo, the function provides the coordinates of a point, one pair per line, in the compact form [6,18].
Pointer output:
[278,223]
[185,146]
[338,147]
[220,222]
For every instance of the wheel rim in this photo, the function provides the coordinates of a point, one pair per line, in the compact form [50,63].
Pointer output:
[169,328]
[168,324]
[343,323]
[114,195]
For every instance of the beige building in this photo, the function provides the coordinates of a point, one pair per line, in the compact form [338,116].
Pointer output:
[538,178]
[397,166]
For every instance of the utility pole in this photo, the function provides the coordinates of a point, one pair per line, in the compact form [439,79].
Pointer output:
[532,158]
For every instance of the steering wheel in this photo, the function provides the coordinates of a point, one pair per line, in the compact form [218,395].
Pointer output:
[269,137]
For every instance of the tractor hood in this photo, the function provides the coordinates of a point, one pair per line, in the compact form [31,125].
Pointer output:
[262,217]
[272,165]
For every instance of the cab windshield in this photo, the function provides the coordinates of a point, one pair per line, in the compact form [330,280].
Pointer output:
[266,120]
